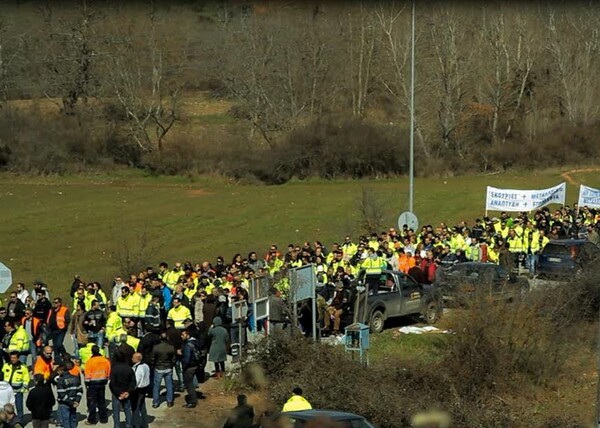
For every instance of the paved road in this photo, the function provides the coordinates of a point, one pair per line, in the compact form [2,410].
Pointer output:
[157,417]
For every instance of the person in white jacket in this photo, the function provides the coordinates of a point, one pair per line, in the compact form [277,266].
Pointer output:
[22,294]
[7,395]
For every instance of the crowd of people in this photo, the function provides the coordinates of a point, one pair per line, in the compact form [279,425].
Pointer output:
[163,326]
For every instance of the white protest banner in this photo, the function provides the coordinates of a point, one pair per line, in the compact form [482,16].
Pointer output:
[523,200]
[588,196]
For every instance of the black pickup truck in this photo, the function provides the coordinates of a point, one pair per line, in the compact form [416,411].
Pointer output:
[394,294]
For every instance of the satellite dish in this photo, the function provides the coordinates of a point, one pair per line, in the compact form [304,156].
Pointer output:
[409,219]
[5,278]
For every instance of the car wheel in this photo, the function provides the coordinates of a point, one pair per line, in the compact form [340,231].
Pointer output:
[431,312]
[376,322]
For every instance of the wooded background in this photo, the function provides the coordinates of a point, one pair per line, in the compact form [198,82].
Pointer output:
[304,88]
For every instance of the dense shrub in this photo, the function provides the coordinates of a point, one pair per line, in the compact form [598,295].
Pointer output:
[42,144]
[338,147]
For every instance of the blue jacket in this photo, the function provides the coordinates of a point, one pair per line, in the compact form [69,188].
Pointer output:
[188,356]
[166,293]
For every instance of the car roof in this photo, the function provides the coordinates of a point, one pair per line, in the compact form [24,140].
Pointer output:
[565,242]
[331,414]
[474,264]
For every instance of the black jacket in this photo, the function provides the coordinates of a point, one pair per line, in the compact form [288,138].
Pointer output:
[68,389]
[122,379]
[15,310]
[127,352]
[174,336]
[147,342]
[42,309]
[94,320]
[188,351]
[163,356]
[40,402]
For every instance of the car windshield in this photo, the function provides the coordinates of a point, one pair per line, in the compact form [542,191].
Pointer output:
[560,250]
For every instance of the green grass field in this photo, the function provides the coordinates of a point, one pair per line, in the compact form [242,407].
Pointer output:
[53,228]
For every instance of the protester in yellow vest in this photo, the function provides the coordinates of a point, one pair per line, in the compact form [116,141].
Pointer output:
[128,304]
[372,264]
[144,300]
[17,375]
[132,340]
[19,341]
[348,247]
[85,353]
[114,324]
[296,402]
[178,313]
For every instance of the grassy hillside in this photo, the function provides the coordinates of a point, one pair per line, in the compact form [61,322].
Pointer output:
[53,228]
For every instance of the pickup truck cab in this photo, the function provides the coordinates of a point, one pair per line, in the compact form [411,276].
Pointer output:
[392,294]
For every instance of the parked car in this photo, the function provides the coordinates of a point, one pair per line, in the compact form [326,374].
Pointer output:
[563,258]
[398,295]
[343,419]
[463,281]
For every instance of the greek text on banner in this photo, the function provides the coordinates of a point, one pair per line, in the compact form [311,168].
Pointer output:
[524,200]
[588,196]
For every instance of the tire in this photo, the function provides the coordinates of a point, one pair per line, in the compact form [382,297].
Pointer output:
[376,321]
[431,312]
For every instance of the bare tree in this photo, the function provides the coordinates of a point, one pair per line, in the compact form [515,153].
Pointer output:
[137,78]
[450,76]
[68,56]
[395,72]
[361,47]
[507,61]
[277,71]
[574,44]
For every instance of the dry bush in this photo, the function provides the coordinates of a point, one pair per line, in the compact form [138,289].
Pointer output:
[44,144]
[500,352]
[371,208]
[339,147]
[132,248]
[331,381]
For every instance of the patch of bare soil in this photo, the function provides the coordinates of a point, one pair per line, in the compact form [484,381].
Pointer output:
[212,411]
[567,175]
[197,192]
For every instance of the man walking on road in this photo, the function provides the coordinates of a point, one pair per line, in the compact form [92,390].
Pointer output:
[97,373]
[40,402]
[69,393]
[163,361]
[17,374]
[122,384]
[189,365]
[58,323]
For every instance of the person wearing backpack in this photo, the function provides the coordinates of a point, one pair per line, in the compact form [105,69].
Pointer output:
[190,360]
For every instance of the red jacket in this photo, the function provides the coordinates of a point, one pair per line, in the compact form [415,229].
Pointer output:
[429,267]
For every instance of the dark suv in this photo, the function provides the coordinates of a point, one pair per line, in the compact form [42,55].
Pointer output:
[463,281]
[563,258]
